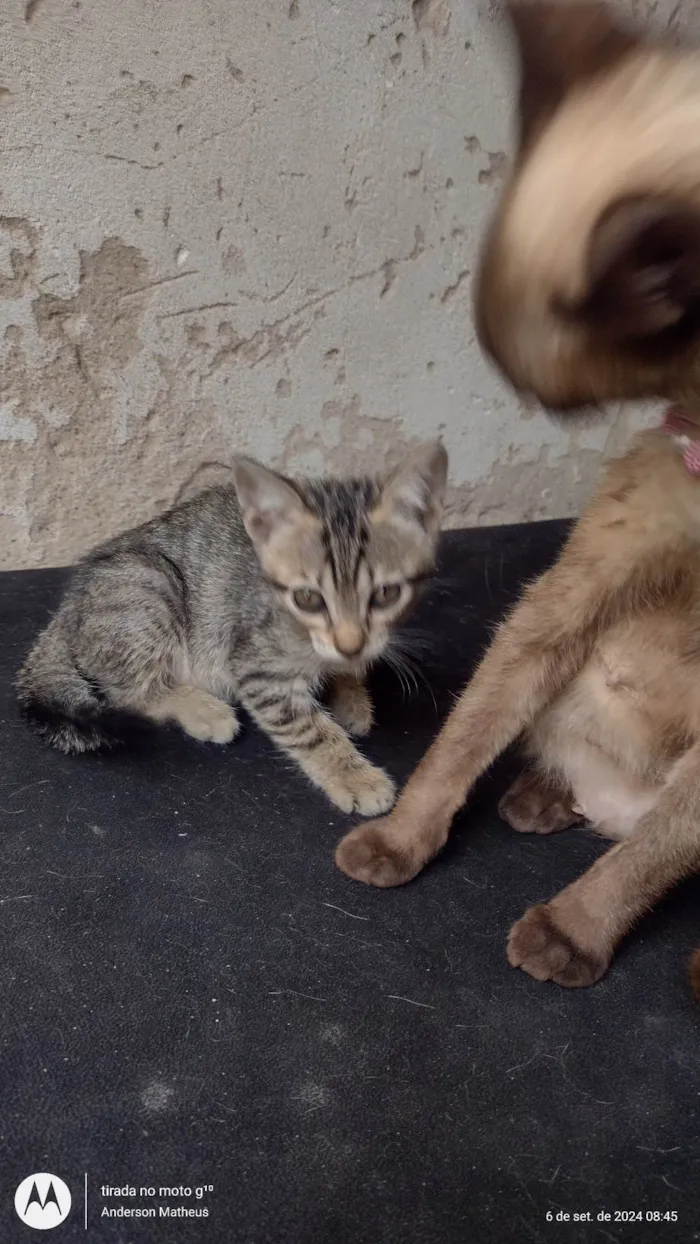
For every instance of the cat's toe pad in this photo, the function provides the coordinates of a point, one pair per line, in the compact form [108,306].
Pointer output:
[367,790]
[369,854]
[539,946]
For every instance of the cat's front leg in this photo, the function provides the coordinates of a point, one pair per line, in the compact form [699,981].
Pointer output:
[351,704]
[295,721]
[536,651]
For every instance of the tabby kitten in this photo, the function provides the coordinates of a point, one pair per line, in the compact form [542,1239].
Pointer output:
[260,591]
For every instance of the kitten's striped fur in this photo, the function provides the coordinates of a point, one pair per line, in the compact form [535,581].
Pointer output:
[210,603]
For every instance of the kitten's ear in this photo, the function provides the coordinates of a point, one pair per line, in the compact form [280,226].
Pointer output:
[561,42]
[267,500]
[414,490]
[643,268]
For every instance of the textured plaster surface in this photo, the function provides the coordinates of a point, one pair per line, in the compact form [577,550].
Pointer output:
[227,227]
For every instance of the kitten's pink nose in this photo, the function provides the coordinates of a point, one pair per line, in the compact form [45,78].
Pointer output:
[349,639]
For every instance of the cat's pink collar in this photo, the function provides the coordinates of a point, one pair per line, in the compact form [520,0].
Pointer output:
[687,434]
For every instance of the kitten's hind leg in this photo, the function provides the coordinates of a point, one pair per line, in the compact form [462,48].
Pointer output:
[199,714]
[536,805]
[351,704]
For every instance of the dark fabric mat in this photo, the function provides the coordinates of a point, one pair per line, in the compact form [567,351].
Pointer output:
[193,996]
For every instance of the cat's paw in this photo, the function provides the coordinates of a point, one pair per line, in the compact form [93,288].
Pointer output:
[352,708]
[205,718]
[370,854]
[362,788]
[531,806]
[540,946]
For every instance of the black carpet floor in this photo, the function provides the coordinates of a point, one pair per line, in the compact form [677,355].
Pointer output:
[194,999]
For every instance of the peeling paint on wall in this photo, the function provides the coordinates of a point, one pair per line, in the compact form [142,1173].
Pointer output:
[252,228]
[433,15]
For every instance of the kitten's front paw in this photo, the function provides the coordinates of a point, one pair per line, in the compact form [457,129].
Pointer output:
[369,854]
[364,789]
[539,946]
[352,707]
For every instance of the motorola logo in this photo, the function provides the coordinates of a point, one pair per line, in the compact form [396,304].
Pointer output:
[42,1201]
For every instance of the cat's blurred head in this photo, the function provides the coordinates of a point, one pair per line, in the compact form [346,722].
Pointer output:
[589,288]
[346,556]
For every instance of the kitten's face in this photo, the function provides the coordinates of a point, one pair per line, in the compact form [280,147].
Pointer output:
[346,556]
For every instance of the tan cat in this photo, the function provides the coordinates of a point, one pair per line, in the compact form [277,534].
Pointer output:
[590,290]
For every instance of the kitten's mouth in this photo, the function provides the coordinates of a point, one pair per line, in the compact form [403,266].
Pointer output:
[333,657]
[355,661]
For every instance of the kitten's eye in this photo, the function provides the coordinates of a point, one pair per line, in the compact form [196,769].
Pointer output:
[385,596]
[309,601]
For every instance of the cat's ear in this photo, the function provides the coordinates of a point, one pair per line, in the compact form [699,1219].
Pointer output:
[561,43]
[414,490]
[643,268]
[268,501]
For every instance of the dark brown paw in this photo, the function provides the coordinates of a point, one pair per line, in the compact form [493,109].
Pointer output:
[368,854]
[538,946]
[532,806]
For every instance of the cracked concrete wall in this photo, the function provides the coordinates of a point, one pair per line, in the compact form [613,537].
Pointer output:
[230,226]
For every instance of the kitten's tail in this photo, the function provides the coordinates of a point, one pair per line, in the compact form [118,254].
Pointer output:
[62,704]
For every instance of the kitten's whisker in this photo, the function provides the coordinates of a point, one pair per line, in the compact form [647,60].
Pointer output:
[409,641]
[406,672]
[418,677]
[394,664]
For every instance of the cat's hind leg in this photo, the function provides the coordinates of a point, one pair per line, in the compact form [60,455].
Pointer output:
[200,714]
[134,644]
[536,805]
